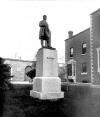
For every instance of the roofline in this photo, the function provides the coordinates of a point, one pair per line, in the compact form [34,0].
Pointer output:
[18,60]
[77,34]
[95,11]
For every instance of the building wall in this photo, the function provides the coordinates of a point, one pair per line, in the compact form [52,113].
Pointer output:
[76,42]
[95,43]
[18,68]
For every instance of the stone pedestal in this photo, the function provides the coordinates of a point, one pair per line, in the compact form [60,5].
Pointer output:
[47,84]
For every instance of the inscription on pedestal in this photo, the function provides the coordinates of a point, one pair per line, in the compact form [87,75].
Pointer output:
[50,58]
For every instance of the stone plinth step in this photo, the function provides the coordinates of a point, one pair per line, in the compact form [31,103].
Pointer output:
[47,96]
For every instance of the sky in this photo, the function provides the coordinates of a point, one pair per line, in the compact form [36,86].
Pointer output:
[19,24]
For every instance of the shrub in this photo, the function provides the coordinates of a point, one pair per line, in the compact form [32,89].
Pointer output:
[71,80]
[4,81]
[32,73]
[5,74]
[85,81]
[61,73]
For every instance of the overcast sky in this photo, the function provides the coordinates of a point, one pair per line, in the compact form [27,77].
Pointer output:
[19,24]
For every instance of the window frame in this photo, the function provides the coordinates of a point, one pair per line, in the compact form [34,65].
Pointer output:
[98,60]
[72,52]
[84,66]
[84,49]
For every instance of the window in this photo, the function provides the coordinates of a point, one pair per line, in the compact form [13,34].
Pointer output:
[84,68]
[74,65]
[69,69]
[98,60]
[71,52]
[84,48]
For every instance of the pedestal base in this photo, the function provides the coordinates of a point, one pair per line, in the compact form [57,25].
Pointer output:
[45,96]
[47,88]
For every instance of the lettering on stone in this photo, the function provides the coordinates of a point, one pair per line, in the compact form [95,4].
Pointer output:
[50,58]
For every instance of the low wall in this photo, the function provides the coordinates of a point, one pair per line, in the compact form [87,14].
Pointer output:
[80,100]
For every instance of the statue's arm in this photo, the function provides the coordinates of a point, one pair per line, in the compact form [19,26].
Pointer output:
[43,24]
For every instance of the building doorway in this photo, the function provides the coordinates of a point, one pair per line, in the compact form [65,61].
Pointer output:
[71,71]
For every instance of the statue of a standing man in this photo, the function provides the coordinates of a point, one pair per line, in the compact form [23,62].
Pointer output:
[45,34]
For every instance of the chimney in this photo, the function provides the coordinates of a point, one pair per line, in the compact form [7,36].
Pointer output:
[70,34]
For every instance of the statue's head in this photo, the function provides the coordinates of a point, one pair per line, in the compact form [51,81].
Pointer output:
[44,17]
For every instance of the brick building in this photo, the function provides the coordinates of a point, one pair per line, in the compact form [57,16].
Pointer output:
[77,56]
[95,46]
[19,68]
[82,52]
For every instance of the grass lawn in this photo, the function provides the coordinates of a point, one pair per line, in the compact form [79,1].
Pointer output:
[18,103]
[80,100]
